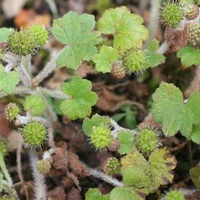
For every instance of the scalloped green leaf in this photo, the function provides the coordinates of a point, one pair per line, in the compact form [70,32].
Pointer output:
[95,194]
[96,120]
[35,105]
[170,109]
[5,33]
[120,193]
[195,175]
[81,98]
[125,26]
[153,59]
[189,56]
[127,193]
[105,58]
[125,139]
[75,31]
[8,80]
[195,135]
[135,170]
[161,165]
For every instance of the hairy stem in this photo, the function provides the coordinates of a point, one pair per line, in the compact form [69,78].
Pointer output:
[49,112]
[39,180]
[23,90]
[47,70]
[154,17]
[106,178]
[54,93]
[163,48]
[23,70]
[118,129]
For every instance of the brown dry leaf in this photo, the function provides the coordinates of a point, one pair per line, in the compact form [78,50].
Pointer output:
[73,133]
[27,17]
[138,89]
[60,157]
[74,194]
[176,39]
[12,7]
[107,100]
[78,168]
[4,130]
[57,194]
[59,76]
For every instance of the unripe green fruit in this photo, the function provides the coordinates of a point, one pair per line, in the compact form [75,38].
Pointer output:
[27,41]
[3,147]
[174,195]
[172,14]
[21,43]
[34,134]
[146,141]
[11,111]
[112,166]
[134,60]
[101,137]
[39,33]
[43,166]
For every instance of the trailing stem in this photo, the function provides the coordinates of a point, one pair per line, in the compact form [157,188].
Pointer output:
[39,180]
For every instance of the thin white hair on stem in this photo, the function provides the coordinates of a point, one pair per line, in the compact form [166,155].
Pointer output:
[39,180]
[106,178]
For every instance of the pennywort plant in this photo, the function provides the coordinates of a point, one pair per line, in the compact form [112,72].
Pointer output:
[117,43]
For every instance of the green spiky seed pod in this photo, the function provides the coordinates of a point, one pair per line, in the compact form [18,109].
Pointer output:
[3,147]
[43,166]
[101,137]
[34,134]
[192,11]
[146,141]
[112,166]
[27,41]
[39,33]
[134,60]
[174,195]
[118,71]
[21,43]
[11,111]
[172,14]
[192,31]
